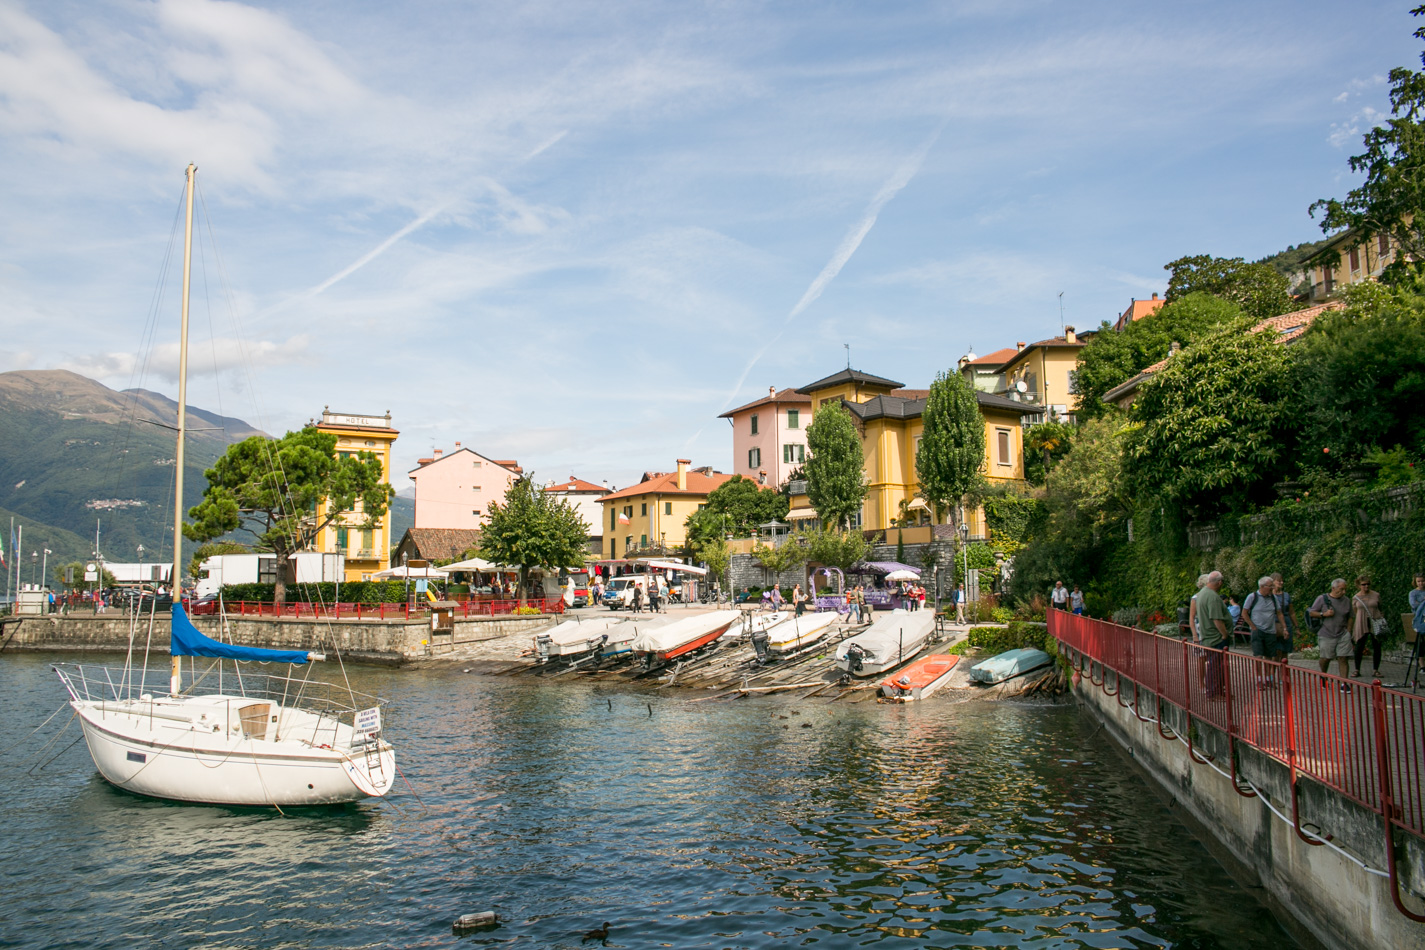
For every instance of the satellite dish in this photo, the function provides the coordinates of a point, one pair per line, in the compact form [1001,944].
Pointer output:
[1019,386]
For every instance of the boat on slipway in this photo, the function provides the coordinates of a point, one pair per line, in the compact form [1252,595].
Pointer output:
[1008,665]
[226,738]
[573,638]
[794,633]
[890,641]
[754,622]
[921,678]
[659,645]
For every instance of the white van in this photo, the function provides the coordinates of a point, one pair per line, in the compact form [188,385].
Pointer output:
[619,593]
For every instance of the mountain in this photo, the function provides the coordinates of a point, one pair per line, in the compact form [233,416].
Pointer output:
[77,452]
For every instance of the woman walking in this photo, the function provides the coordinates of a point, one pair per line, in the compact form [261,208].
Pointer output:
[1368,624]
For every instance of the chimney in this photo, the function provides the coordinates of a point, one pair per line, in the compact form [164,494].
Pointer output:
[1020,345]
[1069,336]
[683,473]
[457,446]
[771,392]
[437,453]
[1155,295]
[1174,347]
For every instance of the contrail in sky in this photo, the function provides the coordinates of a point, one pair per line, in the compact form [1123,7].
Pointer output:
[898,180]
[371,255]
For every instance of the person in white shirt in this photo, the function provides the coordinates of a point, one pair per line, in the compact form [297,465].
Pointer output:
[1059,596]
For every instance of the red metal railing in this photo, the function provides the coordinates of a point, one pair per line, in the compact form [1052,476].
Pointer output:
[1364,741]
[353,611]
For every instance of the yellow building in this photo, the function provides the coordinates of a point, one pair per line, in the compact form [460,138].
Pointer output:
[367,549]
[651,514]
[1347,258]
[1042,374]
[889,419]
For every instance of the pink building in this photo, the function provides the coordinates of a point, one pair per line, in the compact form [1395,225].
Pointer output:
[454,489]
[769,436]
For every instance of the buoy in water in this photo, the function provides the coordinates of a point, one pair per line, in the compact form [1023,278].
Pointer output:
[469,922]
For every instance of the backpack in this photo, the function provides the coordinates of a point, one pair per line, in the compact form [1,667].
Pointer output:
[1314,623]
[1249,601]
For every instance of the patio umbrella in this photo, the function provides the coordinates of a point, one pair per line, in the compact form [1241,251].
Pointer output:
[902,576]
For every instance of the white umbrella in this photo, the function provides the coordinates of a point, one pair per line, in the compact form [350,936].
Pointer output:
[902,576]
[417,572]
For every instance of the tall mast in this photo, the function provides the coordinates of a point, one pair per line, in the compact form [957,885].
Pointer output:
[175,580]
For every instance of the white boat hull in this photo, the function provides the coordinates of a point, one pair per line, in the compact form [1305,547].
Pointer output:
[796,633]
[893,639]
[147,747]
[572,638]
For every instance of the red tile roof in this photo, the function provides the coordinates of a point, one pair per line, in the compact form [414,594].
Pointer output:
[1289,326]
[666,483]
[1137,310]
[577,486]
[997,358]
[909,393]
[788,395]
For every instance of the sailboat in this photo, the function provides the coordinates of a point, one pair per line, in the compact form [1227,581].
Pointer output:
[248,739]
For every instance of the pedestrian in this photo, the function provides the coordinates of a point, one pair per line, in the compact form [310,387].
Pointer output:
[798,600]
[1235,609]
[638,598]
[1288,640]
[1368,624]
[860,603]
[1332,612]
[1214,630]
[1264,618]
[653,595]
[1059,596]
[1417,619]
[959,603]
[777,597]
[1076,600]
[920,594]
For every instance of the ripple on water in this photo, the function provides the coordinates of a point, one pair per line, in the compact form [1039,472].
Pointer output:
[705,825]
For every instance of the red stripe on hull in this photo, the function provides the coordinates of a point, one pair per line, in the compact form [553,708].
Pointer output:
[692,645]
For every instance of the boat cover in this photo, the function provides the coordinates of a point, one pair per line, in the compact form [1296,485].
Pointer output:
[188,640]
[795,628]
[667,637]
[882,643]
[577,631]
[1005,666]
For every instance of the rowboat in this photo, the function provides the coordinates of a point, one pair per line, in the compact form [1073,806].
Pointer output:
[794,633]
[1008,665]
[681,637]
[921,678]
[572,638]
[890,641]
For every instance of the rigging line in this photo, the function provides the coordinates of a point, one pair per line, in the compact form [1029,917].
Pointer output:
[52,740]
[10,748]
[58,754]
[276,468]
[208,303]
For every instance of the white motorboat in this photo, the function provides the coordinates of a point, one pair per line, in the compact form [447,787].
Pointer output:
[618,639]
[681,637]
[244,739]
[890,641]
[572,638]
[753,621]
[795,633]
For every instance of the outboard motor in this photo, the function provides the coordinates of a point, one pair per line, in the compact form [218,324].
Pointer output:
[542,644]
[855,658]
[759,644]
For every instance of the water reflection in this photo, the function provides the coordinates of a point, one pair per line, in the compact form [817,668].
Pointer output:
[700,825]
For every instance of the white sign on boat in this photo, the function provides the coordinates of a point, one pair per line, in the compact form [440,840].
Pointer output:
[368,721]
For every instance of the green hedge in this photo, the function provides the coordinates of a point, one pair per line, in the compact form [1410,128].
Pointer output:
[1015,636]
[352,592]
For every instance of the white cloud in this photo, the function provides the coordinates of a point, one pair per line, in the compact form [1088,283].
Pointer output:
[210,357]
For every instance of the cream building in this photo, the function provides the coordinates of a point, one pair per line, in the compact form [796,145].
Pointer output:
[651,514]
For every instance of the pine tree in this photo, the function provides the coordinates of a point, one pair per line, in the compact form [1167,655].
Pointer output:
[952,445]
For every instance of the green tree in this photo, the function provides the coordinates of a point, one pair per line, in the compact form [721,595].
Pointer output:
[533,528]
[1044,444]
[271,489]
[1361,375]
[952,444]
[834,548]
[1259,289]
[779,560]
[1213,426]
[1392,198]
[1111,359]
[836,479]
[1087,491]
[738,507]
[716,555]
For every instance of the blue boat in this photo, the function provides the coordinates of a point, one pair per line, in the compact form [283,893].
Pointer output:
[1008,665]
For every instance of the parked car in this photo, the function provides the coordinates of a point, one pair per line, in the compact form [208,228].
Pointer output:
[620,590]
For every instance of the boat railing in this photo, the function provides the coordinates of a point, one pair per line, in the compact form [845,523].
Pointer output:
[330,703]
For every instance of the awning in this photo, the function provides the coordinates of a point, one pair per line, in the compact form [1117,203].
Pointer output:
[474,564]
[801,514]
[413,572]
[920,503]
[884,567]
[675,566]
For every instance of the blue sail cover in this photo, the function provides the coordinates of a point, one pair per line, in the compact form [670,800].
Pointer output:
[188,640]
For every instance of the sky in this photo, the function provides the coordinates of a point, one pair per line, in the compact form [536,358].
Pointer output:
[573,234]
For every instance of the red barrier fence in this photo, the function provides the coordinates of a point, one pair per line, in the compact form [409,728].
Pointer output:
[352,611]
[1364,741]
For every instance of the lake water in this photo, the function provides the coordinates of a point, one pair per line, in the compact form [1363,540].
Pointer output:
[714,824]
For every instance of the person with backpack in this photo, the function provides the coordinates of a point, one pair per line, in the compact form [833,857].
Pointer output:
[1368,626]
[1330,615]
[1288,640]
[1264,618]
[1214,630]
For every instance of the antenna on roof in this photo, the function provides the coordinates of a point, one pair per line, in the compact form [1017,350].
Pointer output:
[1061,313]
[848,354]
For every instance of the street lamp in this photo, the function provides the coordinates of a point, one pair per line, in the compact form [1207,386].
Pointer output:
[965,556]
[44,568]
[34,564]
[141,578]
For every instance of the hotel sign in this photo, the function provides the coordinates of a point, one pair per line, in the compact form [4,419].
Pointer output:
[378,422]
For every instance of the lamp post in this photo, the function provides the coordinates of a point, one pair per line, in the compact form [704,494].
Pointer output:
[44,568]
[965,557]
[34,564]
[140,566]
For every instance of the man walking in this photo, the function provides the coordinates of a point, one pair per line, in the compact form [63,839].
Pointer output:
[1076,601]
[1059,596]
[1264,617]
[1214,629]
[959,603]
[1333,637]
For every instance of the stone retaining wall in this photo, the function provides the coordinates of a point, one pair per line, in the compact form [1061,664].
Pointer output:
[372,641]
[1314,888]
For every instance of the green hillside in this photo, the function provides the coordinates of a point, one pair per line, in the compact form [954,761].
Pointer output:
[77,453]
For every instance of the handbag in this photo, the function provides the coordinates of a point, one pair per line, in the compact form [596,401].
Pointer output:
[1379,627]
